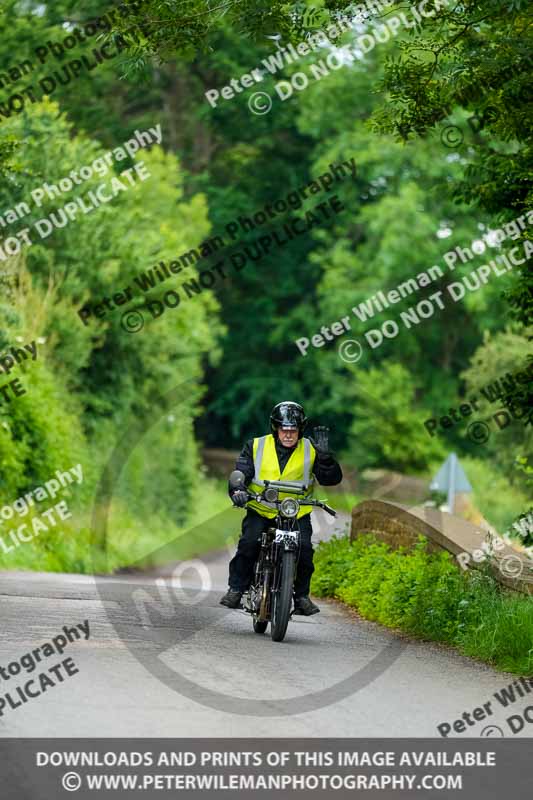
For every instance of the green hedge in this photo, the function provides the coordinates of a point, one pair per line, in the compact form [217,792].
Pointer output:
[429,596]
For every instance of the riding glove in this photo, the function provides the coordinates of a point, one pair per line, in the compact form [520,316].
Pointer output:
[320,439]
[239,498]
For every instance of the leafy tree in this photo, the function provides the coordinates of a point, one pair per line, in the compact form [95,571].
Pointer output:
[216,164]
[386,431]
[474,55]
[397,225]
[116,377]
[494,365]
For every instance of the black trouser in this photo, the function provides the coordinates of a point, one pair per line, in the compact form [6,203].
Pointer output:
[241,566]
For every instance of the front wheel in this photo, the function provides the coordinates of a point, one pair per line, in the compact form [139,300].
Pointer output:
[281,609]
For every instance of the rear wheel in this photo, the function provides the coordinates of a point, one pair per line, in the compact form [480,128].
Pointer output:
[281,603]
[260,619]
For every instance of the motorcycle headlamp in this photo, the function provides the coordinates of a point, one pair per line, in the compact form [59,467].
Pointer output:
[270,495]
[289,507]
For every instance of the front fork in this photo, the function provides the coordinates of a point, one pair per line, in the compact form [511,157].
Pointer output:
[266,575]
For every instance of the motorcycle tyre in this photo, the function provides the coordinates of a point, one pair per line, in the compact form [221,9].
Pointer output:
[282,601]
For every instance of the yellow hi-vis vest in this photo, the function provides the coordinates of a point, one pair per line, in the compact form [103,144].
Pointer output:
[299,467]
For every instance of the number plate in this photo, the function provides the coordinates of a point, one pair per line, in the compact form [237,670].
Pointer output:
[286,536]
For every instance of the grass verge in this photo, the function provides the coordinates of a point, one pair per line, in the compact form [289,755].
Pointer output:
[428,596]
[133,539]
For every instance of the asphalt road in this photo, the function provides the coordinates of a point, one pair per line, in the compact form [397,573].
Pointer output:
[163,658]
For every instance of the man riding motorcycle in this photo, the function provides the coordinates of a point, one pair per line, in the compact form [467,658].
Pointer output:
[285,454]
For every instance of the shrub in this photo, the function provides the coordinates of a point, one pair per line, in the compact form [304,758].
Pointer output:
[428,596]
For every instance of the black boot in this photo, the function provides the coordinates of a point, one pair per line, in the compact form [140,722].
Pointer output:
[232,599]
[303,605]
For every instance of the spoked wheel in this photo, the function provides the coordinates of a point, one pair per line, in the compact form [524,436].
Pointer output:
[281,605]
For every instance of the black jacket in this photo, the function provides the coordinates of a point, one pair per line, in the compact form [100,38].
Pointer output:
[325,469]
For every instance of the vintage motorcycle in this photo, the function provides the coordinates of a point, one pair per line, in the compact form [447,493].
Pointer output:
[269,598]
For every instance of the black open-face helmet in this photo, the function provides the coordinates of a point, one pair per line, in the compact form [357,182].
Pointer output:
[288,415]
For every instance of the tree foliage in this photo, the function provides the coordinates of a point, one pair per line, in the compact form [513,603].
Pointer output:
[411,201]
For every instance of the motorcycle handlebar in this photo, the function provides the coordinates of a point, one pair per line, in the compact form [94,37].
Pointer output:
[325,506]
[318,503]
[329,510]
